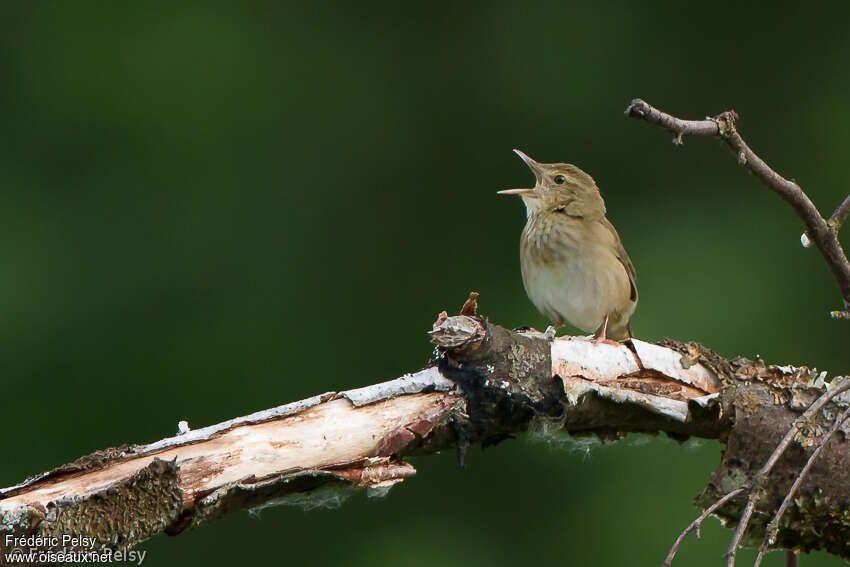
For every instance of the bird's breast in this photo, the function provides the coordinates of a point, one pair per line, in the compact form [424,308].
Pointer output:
[570,275]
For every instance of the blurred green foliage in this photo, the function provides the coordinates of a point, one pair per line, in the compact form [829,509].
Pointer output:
[212,208]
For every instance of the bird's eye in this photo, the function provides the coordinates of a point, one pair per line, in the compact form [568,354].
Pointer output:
[560,179]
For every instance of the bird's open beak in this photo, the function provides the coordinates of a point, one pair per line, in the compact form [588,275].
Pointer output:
[535,168]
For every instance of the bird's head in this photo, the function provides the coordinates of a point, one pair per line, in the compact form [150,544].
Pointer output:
[560,188]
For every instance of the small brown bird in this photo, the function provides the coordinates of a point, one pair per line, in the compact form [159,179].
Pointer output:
[574,266]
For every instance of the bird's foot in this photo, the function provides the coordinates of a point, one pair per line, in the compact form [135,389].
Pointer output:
[605,341]
[549,333]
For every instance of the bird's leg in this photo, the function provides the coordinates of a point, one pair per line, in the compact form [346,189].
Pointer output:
[601,338]
[604,330]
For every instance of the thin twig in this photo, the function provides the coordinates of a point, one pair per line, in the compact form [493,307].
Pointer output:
[695,525]
[837,218]
[773,526]
[640,109]
[723,125]
[835,221]
[757,481]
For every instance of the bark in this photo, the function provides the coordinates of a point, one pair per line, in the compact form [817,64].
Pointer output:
[486,384]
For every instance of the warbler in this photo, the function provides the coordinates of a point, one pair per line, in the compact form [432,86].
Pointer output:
[574,266]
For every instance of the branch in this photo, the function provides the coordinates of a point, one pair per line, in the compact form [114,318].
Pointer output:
[822,232]
[486,384]
[351,437]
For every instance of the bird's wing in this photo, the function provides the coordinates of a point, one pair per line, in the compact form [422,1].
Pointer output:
[623,257]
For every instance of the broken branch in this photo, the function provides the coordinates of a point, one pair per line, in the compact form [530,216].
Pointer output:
[487,383]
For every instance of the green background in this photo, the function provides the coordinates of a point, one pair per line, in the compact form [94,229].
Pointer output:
[208,209]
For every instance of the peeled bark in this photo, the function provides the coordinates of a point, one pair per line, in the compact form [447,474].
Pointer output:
[486,383]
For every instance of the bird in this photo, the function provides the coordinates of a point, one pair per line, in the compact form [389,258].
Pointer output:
[574,266]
